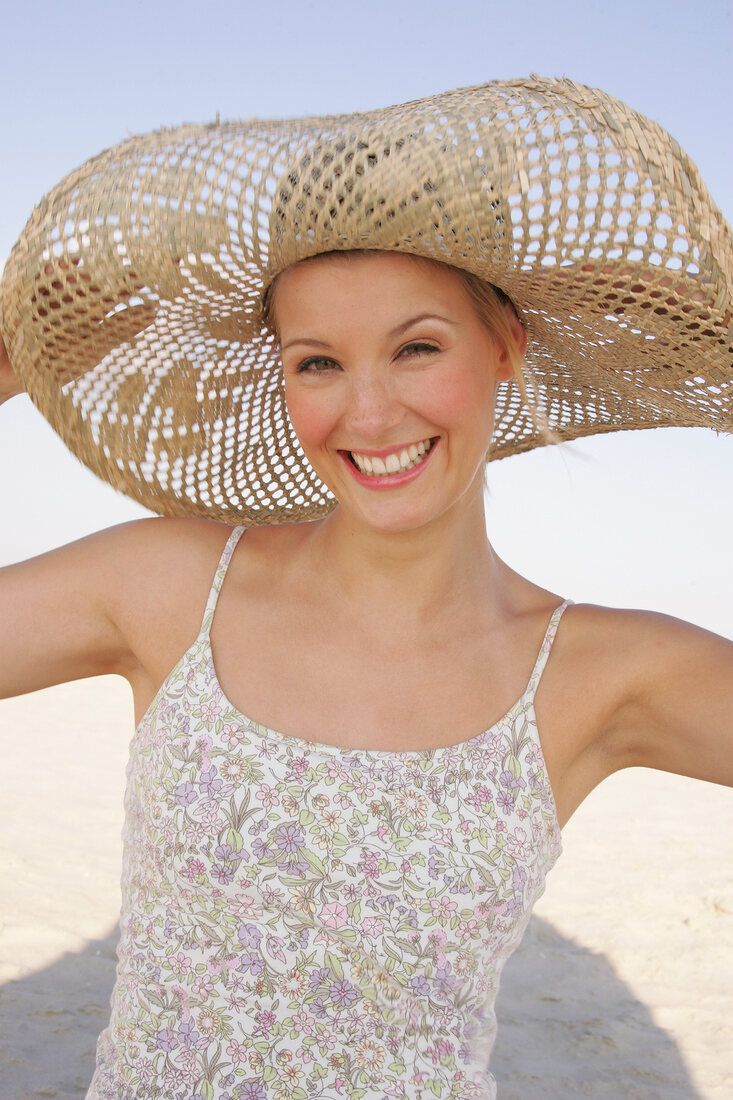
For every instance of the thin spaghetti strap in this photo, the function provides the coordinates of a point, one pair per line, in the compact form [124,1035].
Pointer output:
[546,646]
[221,572]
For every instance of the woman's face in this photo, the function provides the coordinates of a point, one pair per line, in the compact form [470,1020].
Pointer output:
[390,378]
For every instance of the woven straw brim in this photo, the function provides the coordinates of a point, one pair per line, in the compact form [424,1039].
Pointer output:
[131,304]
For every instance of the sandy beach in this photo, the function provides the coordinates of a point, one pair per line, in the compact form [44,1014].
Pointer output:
[622,987]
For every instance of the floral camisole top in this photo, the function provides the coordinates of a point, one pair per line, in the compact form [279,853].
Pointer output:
[303,921]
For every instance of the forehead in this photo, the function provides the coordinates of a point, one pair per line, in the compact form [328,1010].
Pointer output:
[364,281]
[371,260]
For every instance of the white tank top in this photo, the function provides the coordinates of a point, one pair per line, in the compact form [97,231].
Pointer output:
[304,917]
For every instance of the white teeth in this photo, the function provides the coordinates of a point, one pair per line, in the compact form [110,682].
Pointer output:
[397,462]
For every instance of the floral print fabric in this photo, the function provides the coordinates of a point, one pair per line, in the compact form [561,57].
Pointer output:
[302,921]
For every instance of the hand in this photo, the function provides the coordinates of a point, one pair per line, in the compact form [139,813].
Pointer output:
[9,382]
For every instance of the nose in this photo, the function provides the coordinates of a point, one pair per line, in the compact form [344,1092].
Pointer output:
[373,407]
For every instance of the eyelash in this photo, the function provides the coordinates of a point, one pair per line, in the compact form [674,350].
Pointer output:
[417,347]
[421,347]
[306,367]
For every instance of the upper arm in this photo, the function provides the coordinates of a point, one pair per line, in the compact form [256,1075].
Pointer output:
[676,712]
[111,602]
[634,689]
[56,621]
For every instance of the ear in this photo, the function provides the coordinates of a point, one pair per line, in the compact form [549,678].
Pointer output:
[504,365]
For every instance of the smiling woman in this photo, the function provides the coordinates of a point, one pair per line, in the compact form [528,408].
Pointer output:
[384,355]
[359,730]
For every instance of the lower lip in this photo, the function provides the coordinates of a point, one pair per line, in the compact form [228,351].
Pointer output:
[388,481]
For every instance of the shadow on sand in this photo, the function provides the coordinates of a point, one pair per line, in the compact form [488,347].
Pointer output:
[601,1043]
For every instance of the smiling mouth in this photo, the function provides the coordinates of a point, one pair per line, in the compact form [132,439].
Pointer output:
[398,462]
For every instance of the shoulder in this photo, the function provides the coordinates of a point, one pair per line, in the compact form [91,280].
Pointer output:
[621,651]
[627,640]
[626,688]
[176,556]
[161,548]
[154,577]
[623,671]
[165,549]
[147,555]
[162,569]
[174,536]
[146,568]
[103,603]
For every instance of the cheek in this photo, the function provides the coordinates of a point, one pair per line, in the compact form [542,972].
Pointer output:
[311,416]
[463,398]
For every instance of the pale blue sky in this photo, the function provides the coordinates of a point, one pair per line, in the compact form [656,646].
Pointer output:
[640,518]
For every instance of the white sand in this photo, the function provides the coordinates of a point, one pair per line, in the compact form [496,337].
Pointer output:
[621,989]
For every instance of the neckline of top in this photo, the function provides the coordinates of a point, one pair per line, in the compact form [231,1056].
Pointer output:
[525,701]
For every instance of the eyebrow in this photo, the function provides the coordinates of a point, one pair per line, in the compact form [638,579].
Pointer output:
[397,331]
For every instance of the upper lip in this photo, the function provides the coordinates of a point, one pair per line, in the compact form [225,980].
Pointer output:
[395,449]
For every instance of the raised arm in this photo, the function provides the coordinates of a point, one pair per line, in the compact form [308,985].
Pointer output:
[9,383]
[634,689]
[58,618]
[678,715]
[645,690]
[55,615]
[128,600]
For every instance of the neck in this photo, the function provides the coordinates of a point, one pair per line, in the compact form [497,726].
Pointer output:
[409,574]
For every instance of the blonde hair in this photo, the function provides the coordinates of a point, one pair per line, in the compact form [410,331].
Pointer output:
[493,308]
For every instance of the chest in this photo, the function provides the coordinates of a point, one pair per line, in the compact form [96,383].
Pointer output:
[330,683]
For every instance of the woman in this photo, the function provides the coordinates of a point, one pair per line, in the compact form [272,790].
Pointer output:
[345,796]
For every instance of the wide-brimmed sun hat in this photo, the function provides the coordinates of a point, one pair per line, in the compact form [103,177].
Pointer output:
[132,302]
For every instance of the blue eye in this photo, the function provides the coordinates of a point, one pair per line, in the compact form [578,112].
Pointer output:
[317,364]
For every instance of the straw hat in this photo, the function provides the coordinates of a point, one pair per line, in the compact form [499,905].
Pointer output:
[131,304]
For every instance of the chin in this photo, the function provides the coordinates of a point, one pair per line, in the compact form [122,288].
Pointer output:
[395,519]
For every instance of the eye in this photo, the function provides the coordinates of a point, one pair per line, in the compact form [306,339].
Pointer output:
[317,364]
[418,347]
